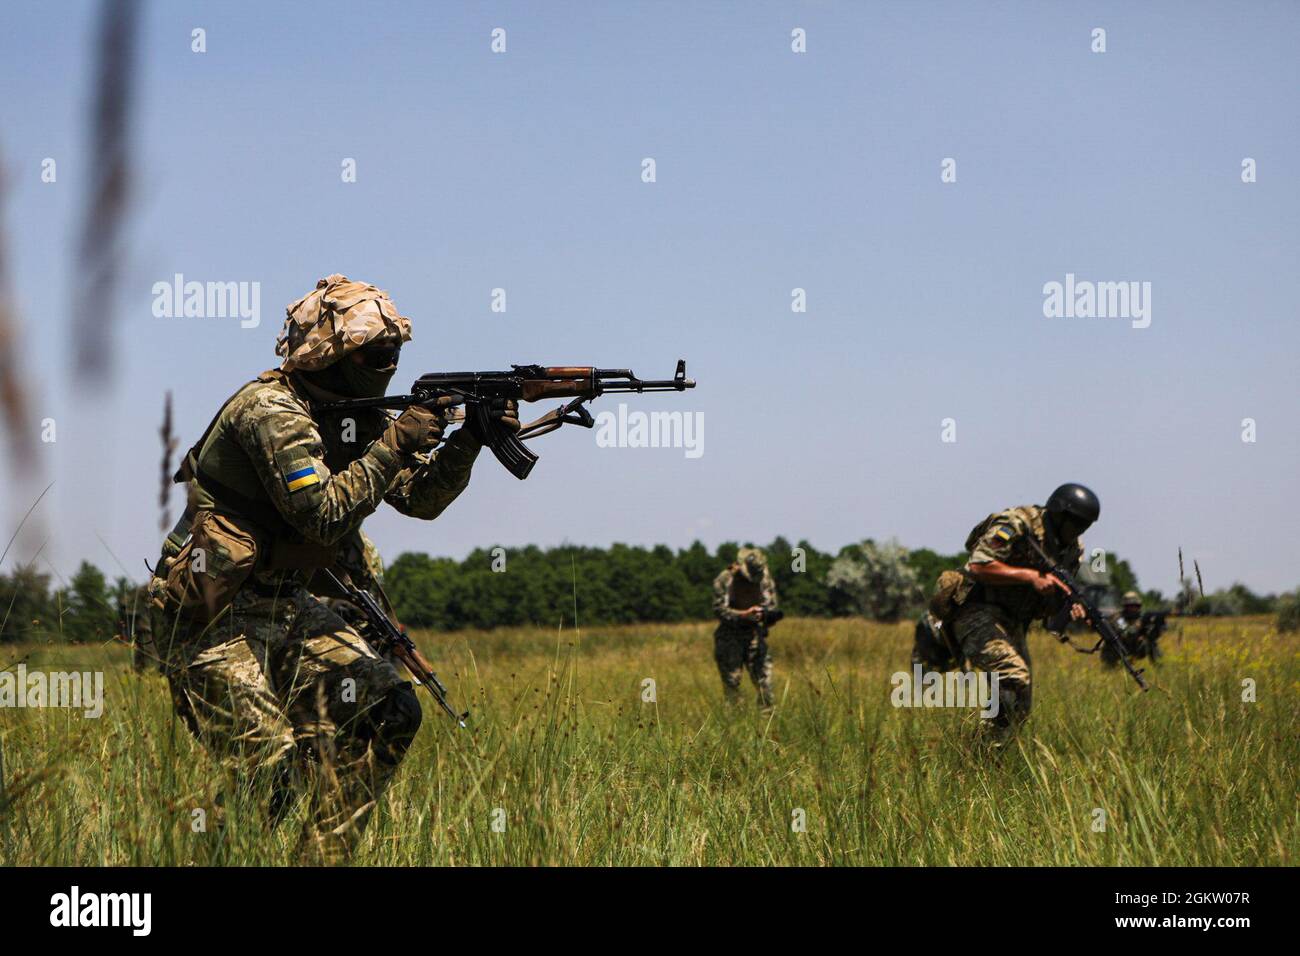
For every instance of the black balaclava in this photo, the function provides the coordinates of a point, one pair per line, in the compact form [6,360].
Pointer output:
[352,379]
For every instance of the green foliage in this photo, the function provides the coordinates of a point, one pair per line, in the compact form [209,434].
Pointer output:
[1122,576]
[876,580]
[1288,612]
[27,611]
[84,611]
[89,611]
[929,565]
[1250,602]
[1233,601]
[547,587]
[800,575]
[621,584]
[1153,599]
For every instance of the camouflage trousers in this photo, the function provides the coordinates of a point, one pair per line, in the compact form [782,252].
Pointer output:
[286,695]
[737,651]
[990,642]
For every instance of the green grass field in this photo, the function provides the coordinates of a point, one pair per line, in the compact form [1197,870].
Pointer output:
[583,772]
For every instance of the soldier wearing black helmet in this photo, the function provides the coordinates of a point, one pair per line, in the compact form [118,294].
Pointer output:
[988,607]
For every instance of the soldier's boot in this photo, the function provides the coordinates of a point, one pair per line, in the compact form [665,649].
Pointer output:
[1013,708]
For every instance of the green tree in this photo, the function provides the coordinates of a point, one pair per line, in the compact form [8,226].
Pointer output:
[1288,612]
[27,609]
[930,564]
[800,575]
[89,613]
[1122,576]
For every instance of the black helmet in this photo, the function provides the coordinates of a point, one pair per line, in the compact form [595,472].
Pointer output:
[1076,501]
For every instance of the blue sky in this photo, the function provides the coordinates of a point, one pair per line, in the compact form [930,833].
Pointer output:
[775,170]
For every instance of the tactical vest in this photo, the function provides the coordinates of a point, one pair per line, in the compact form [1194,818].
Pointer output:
[222,480]
[743,592]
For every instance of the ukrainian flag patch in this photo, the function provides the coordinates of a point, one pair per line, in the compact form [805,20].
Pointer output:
[1003,533]
[302,478]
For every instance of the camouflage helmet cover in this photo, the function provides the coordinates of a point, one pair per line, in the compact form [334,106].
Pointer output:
[339,316]
[1132,597]
[752,561]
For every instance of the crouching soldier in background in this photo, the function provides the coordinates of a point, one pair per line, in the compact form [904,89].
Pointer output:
[271,679]
[744,599]
[931,646]
[1139,632]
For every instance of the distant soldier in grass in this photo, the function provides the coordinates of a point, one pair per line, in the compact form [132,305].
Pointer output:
[986,608]
[1140,633]
[744,599]
[275,682]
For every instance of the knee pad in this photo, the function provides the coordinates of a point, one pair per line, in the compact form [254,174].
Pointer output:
[394,722]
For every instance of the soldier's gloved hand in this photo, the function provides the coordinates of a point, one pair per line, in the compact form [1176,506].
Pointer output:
[417,429]
[508,414]
[504,412]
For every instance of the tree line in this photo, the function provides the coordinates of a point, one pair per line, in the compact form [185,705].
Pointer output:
[621,584]
[82,610]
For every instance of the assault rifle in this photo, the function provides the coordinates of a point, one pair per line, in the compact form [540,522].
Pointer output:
[1153,625]
[769,618]
[1096,620]
[392,638]
[481,392]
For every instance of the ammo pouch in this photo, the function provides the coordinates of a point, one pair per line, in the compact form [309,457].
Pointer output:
[212,565]
[951,591]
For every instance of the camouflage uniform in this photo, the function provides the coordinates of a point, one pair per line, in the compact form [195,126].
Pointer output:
[740,645]
[270,678]
[1135,633]
[991,621]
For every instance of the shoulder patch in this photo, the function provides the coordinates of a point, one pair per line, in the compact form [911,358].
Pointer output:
[302,478]
[297,469]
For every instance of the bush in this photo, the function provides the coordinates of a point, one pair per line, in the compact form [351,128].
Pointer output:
[876,581]
[1288,612]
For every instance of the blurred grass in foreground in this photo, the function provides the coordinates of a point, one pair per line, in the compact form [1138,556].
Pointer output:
[582,771]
